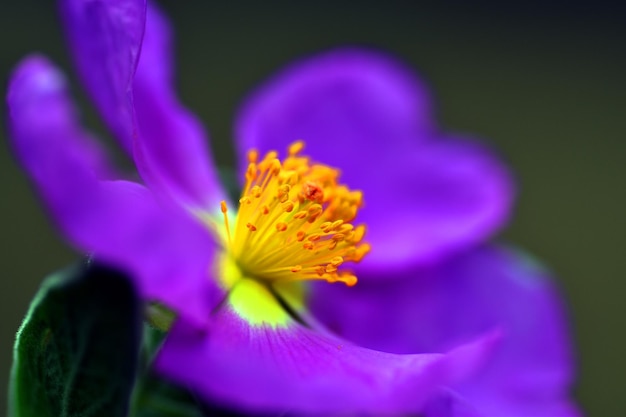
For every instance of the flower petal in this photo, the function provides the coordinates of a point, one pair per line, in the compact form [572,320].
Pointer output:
[449,404]
[425,195]
[171,153]
[435,308]
[105,37]
[164,249]
[41,115]
[293,368]
[437,199]
[135,95]
[337,101]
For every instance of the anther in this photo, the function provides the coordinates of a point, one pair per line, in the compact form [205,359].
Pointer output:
[314,237]
[281,226]
[255,191]
[312,191]
[275,167]
[224,210]
[251,172]
[295,148]
[288,206]
[253,156]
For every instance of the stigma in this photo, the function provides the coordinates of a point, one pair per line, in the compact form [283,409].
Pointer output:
[294,221]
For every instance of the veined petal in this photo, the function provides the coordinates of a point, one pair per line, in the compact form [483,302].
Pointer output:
[288,367]
[105,38]
[171,152]
[425,195]
[163,248]
[434,308]
[135,97]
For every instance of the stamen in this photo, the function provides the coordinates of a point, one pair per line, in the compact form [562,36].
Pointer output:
[295,221]
[224,210]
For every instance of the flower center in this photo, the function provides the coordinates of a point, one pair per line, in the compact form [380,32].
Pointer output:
[294,221]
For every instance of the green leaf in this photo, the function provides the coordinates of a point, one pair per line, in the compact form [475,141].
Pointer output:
[77,350]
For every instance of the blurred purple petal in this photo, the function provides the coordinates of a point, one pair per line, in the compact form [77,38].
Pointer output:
[171,152]
[340,102]
[294,368]
[105,38]
[432,201]
[134,95]
[43,116]
[448,403]
[425,195]
[164,249]
[435,308]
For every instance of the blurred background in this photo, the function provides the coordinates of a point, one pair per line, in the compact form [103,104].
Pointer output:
[544,83]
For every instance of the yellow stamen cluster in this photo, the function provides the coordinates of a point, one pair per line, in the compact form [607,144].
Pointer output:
[294,221]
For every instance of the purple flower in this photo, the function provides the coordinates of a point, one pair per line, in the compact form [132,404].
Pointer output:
[440,322]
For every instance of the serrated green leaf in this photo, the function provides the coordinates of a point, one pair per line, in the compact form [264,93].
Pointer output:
[77,350]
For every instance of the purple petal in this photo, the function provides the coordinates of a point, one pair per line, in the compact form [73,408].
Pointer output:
[41,116]
[368,115]
[293,368]
[105,37]
[163,248]
[172,152]
[434,200]
[434,308]
[136,99]
[450,404]
[336,102]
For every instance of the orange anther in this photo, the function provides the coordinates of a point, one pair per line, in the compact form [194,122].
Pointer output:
[275,167]
[295,148]
[326,226]
[288,206]
[255,191]
[312,191]
[338,237]
[300,215]
[281,226]
[251,172]
[314,237]
[251,227]
[253,156]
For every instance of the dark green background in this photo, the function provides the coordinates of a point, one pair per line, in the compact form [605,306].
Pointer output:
[545,84]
